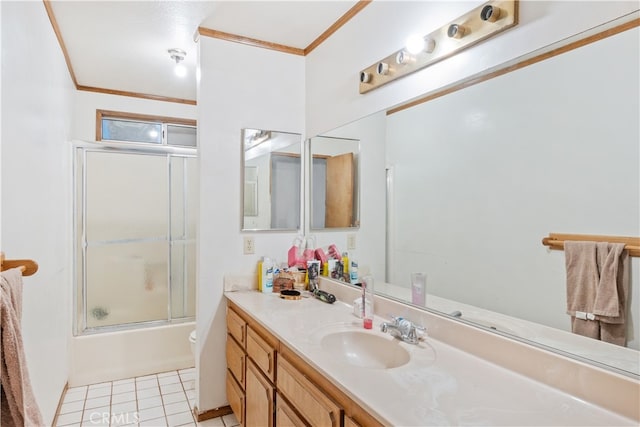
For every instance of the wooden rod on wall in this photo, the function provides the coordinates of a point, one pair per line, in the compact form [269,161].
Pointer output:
[556,241]
[27,266]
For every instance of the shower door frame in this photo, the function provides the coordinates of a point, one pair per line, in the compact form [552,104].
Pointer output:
[80,242]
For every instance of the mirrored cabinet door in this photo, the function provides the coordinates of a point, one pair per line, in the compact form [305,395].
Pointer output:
[271,180]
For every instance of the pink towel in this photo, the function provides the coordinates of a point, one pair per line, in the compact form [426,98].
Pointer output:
[19,407]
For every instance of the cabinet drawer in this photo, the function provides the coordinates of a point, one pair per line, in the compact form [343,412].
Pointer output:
[309,400]
[237,327]
[235,396]
[261,353]
[286,416]
[235,360]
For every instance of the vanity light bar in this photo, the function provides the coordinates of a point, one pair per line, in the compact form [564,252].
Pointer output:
[481,23]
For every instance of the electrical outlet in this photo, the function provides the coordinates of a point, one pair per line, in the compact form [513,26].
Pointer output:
[249,245]
[351,241]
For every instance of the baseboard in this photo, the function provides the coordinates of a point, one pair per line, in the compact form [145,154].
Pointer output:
[211,413]
[62,395]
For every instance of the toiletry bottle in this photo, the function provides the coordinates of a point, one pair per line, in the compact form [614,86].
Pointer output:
[260,275]
[367,302]
[418,288]
[345,262]
[267,275]
[353,272]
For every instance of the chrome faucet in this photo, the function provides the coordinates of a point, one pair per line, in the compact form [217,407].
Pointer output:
[403,329]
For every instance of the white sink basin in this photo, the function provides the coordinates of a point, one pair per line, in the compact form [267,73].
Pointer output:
[365,349]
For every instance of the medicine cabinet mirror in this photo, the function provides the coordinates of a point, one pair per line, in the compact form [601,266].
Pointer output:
[335,183]
[271,180]
[470,183]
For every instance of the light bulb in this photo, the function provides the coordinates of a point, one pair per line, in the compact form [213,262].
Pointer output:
[180,70]
[415,44]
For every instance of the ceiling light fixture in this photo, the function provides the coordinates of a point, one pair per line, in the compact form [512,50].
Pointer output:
[178,56]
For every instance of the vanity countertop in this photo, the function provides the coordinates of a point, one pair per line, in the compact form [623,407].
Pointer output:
[440,385]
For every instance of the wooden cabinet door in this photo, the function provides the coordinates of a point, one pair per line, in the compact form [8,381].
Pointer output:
[311,402]
[286,416]
[259,398]
[339,196]
[236,398]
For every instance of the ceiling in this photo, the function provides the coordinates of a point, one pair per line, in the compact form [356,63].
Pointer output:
[122,45]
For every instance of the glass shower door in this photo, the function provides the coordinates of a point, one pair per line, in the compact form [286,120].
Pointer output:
[136,237]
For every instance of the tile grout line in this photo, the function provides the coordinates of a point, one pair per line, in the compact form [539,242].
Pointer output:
[188,401]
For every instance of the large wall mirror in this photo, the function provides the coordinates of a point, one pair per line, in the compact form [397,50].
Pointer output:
[477,177]
[271,180]
[335,201]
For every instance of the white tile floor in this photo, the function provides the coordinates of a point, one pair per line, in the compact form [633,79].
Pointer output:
[157,400]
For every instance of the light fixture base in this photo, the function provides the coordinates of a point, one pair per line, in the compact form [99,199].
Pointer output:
[177,54]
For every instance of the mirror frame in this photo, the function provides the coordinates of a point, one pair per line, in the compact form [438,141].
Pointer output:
[301,178]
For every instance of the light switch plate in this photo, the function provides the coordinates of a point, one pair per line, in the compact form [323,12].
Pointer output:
[351,242]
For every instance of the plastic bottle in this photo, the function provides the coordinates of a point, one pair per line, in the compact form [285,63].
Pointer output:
[367,302]
[345,262]
[353,272]
[265,282]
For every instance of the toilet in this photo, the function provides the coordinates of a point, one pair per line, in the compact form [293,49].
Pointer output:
[192,342]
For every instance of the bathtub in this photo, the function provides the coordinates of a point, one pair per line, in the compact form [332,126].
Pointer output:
[111,356]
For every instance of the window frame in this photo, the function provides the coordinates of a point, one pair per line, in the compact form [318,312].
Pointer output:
[136,117]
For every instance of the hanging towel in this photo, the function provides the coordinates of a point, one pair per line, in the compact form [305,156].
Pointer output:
[607,301]
[597,288]
[613,287]
[582,284]
[18,404]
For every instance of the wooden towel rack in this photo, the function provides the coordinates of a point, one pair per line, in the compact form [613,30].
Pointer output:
[27,266]
[556,241]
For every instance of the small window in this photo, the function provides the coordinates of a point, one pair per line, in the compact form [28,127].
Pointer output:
[130,127]
[125,130]
[181,135]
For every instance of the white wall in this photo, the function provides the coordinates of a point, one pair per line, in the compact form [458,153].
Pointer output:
[486,172]
[86,104]
[240,87]
[36,216]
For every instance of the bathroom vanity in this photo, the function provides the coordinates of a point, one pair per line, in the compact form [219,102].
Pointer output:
[309,363]
[265,376]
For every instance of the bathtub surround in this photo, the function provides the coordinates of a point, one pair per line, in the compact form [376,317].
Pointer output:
[138,352]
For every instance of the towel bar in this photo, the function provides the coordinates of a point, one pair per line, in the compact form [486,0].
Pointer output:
[556,241]
[27,266]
